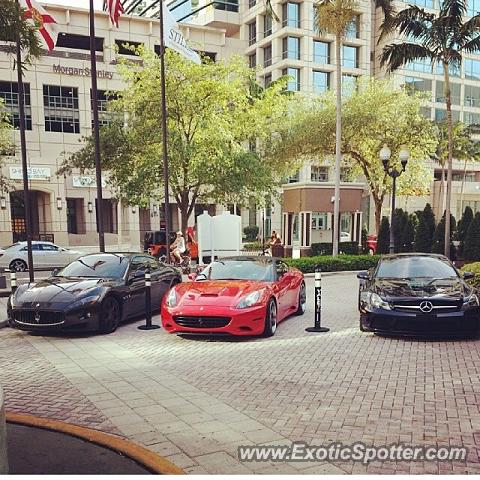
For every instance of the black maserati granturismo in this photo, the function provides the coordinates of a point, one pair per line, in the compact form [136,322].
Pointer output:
[417,294]
[94,292]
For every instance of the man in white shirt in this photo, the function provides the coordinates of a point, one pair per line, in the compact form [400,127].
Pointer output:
[178,247]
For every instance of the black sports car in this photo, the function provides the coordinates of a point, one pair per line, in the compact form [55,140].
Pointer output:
[95,292]
[417,294]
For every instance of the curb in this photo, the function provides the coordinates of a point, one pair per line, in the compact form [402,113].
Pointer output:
[150,460]
[331,274]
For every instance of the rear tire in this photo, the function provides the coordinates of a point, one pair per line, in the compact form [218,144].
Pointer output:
[302,300]
[18,265]
[270,319]
[109,315]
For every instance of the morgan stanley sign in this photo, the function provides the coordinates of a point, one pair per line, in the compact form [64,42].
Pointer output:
[81,72]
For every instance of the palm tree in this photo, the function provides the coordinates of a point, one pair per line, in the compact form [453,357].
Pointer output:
[441,38]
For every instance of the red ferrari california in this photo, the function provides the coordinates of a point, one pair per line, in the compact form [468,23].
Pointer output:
[236,296]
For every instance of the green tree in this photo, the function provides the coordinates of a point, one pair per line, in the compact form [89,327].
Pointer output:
[463,226]
[399,221]
[6,144]
[472,241]
[425,230]
[13,24]
[441,38]
[212,115]
[439,236]
[383,237]
[374,115]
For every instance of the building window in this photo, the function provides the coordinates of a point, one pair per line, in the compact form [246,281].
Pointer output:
[293,84]
[9,95]
[267,80]
[349,84]
[104,116]
[319,221]
[441,115]
[228,5]
[291,15]
[267,26]
[267,56]
[110,218]
[295,178]
[472,96]
[454,92]
[472,69]
[453,70]
[252,60]
[61,109]
[321,81]
[321,52]
[75,216]
[291,48]
[252,3]
[458,176]
[296,227]
[127,47]
[422,65]
[346,174]
[345,222]
[472,120]
[205,56]
[350,56]
[415,84]
[353,28]
[252,33]
[318,174]
[426,112]
[78,42]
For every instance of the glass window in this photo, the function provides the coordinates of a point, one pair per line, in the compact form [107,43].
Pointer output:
[350,56]
[291,48]
[472,96]
[228,5]
[423,65]
[453,70]
[294,178]
[353,28]
[252,33]
[267,56]
[96,266]
[295,227]
[127,47]
[9,95]
[48,247]
[473,7]
[319,220]
[252,60]
[458,176]
[472,69]
[252,3]
[349,84]
[321,52]
[104,116]
[291,15]
[416,84]
[75,222]
[455,91]
[346,174]
[345,223]
[61,109]
[294,82]
[321,81]
[260,270]
[472,120]
[426,112]
[441,115]
[267,80]
[267,25]
[319,173]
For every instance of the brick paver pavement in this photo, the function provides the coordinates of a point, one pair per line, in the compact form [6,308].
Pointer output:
[196,400]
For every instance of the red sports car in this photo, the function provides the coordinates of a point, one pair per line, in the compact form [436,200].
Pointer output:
[236,296]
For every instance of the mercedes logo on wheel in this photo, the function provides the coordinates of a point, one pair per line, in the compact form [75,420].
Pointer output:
[426,307]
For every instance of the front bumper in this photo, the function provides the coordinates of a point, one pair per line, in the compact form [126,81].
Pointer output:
[47,320]
[201,320]
[420,324]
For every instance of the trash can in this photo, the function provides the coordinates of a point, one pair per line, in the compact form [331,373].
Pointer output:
[278,251]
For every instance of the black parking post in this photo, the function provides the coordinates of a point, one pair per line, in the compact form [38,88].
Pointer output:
[148,304]
[13,280]
[318,304]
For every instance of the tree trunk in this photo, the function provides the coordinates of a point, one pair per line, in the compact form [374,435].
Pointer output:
[338,143]
[463,185]
[378,213]
[441,194]
[448,100]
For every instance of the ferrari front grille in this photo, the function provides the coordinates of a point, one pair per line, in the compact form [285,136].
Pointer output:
[202,322]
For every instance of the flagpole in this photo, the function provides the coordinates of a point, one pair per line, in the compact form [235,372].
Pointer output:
[96,131]
[23,147]
[164,134]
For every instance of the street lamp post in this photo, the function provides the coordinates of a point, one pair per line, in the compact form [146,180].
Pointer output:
[385,154]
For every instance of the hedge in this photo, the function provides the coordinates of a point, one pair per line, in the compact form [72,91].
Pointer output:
[334,264]
[252,246]
[325,248]
[475,268]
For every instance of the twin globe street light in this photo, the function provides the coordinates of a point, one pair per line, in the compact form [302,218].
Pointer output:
[391,170]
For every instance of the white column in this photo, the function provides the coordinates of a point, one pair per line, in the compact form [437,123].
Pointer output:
[119,225]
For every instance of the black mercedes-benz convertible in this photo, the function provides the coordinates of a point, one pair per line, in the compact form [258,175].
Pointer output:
[417,294]
[95,292]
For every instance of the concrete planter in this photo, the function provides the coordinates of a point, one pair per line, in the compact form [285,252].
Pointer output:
[3,437]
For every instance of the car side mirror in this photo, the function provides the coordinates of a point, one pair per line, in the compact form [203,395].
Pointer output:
[468,275]
[363,275]
[192,276]
[55,271]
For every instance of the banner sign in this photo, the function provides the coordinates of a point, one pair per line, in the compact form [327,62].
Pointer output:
[34,173]
[86,181]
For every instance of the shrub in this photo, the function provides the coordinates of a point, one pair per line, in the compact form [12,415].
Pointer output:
[252,246]
[425,230]
[462,227]
[438,245]
[383,240]
[474,268]
[251,233]
[325,248]
[471,250]
[334,264]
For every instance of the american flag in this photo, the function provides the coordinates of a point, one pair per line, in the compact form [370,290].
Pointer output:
[115,9]
[47,26]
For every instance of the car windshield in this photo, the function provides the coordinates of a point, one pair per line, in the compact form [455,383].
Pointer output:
[415,267]
[96,266]
[238,270]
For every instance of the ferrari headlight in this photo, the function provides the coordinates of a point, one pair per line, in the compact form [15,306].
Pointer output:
[172,298]
[470,302]
[377,302]
[250,299]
